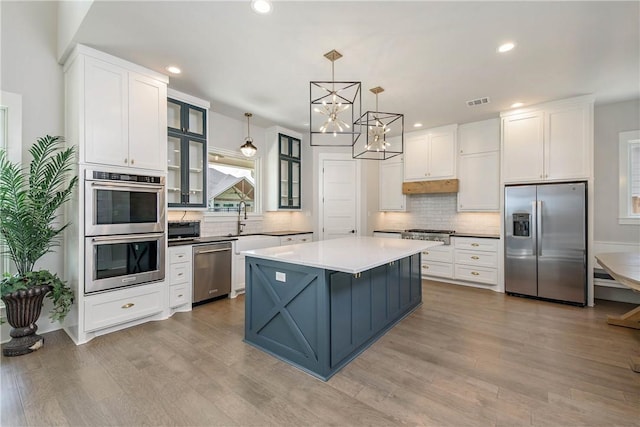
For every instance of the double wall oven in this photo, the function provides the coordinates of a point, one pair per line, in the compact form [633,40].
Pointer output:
[125,236]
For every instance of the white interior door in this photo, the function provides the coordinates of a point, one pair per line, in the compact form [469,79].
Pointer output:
[339,198]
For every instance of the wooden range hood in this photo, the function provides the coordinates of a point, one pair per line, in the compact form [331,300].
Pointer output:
[430,187]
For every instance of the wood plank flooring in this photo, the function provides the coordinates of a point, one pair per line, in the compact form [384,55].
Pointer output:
[466,357]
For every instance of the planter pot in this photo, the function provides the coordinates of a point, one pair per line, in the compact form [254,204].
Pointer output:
[23,310]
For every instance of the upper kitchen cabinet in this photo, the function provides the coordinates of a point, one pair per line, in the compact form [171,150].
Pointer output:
[390,197]
[187,151]
[185,118]
[430,154]
[283,169]
[116,111]
[548,142]
[479,166]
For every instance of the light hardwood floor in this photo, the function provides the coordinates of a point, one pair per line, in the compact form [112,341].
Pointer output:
[466,357]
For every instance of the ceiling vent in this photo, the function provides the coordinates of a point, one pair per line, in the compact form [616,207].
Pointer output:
[479,101]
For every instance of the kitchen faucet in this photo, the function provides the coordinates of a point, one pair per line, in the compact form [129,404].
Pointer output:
[241,224]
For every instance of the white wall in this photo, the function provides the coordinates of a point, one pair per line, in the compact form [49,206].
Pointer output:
[70,17]
[30,68]
[611,119]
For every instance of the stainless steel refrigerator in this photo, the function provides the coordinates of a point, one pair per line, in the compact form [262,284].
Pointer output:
[546,241]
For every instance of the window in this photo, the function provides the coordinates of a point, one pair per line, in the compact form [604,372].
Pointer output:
[11,141]
[629,166]
[232,179]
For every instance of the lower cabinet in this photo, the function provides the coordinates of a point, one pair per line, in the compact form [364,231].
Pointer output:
[296,238]
[476,260]
[364,305]
[180,278]
[114,308]
[469,260]
[438,262]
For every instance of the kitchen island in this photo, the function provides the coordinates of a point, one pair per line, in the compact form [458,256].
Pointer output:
[318,305]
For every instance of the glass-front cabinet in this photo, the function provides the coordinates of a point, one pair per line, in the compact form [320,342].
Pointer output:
[289,174]
[187,156]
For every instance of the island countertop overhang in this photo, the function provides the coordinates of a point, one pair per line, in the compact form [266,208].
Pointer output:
[348,255]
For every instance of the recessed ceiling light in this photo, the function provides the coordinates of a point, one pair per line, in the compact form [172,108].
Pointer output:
[517,105]
[261,6]
[173,69]
[417,125]
[506,47]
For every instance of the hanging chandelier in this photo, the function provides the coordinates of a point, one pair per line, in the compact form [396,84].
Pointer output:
[381,134]
[334,105]
[248,149]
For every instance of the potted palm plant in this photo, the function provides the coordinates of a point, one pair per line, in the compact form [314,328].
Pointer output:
[30,202]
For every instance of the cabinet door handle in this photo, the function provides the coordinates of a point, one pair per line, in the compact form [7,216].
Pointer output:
[180,274]
[426,267]
[128,305]
[132,161]
[475,273]
[125,162]
[180,296]
[475,257]
[180,256]
[289,239]
[475,244]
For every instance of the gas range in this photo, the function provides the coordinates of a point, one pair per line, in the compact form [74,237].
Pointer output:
[443,236]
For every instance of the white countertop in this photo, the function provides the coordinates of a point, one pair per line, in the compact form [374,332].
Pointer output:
[349,254]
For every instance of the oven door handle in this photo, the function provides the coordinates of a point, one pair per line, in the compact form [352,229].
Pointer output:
[127,185]
[120,238]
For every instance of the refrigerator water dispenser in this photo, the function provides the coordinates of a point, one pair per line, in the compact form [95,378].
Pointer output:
[522,224]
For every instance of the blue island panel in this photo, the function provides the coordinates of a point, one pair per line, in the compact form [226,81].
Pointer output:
[319,320]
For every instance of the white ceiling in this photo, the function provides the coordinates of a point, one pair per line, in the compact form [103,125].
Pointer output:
[430,57]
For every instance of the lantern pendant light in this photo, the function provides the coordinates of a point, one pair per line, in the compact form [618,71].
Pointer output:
[334,105]
[382,134]
[248,149]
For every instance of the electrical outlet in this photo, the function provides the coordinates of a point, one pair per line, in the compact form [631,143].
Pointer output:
[281,277]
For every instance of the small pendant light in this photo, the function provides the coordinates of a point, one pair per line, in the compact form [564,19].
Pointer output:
[248,149]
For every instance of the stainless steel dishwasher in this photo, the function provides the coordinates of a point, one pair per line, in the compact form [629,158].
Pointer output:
[211,271]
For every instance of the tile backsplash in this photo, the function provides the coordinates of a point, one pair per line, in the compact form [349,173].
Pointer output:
[268,221]
[438,211]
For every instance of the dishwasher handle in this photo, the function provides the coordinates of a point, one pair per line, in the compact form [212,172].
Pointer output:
[212,250]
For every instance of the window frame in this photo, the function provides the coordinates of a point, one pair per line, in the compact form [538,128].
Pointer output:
[211,216]
[11,103]
[625,141]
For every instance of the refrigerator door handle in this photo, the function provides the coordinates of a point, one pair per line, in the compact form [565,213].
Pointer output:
[534,228]
[539,226]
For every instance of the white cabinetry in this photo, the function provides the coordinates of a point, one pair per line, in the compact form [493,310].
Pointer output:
[466,261]
[124,119]
[438,262]
[476,260]
[180,277]
[548,142]
[114,308]
[390,197]
[296,238]
[479,166]
[430,154]
[116,117]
